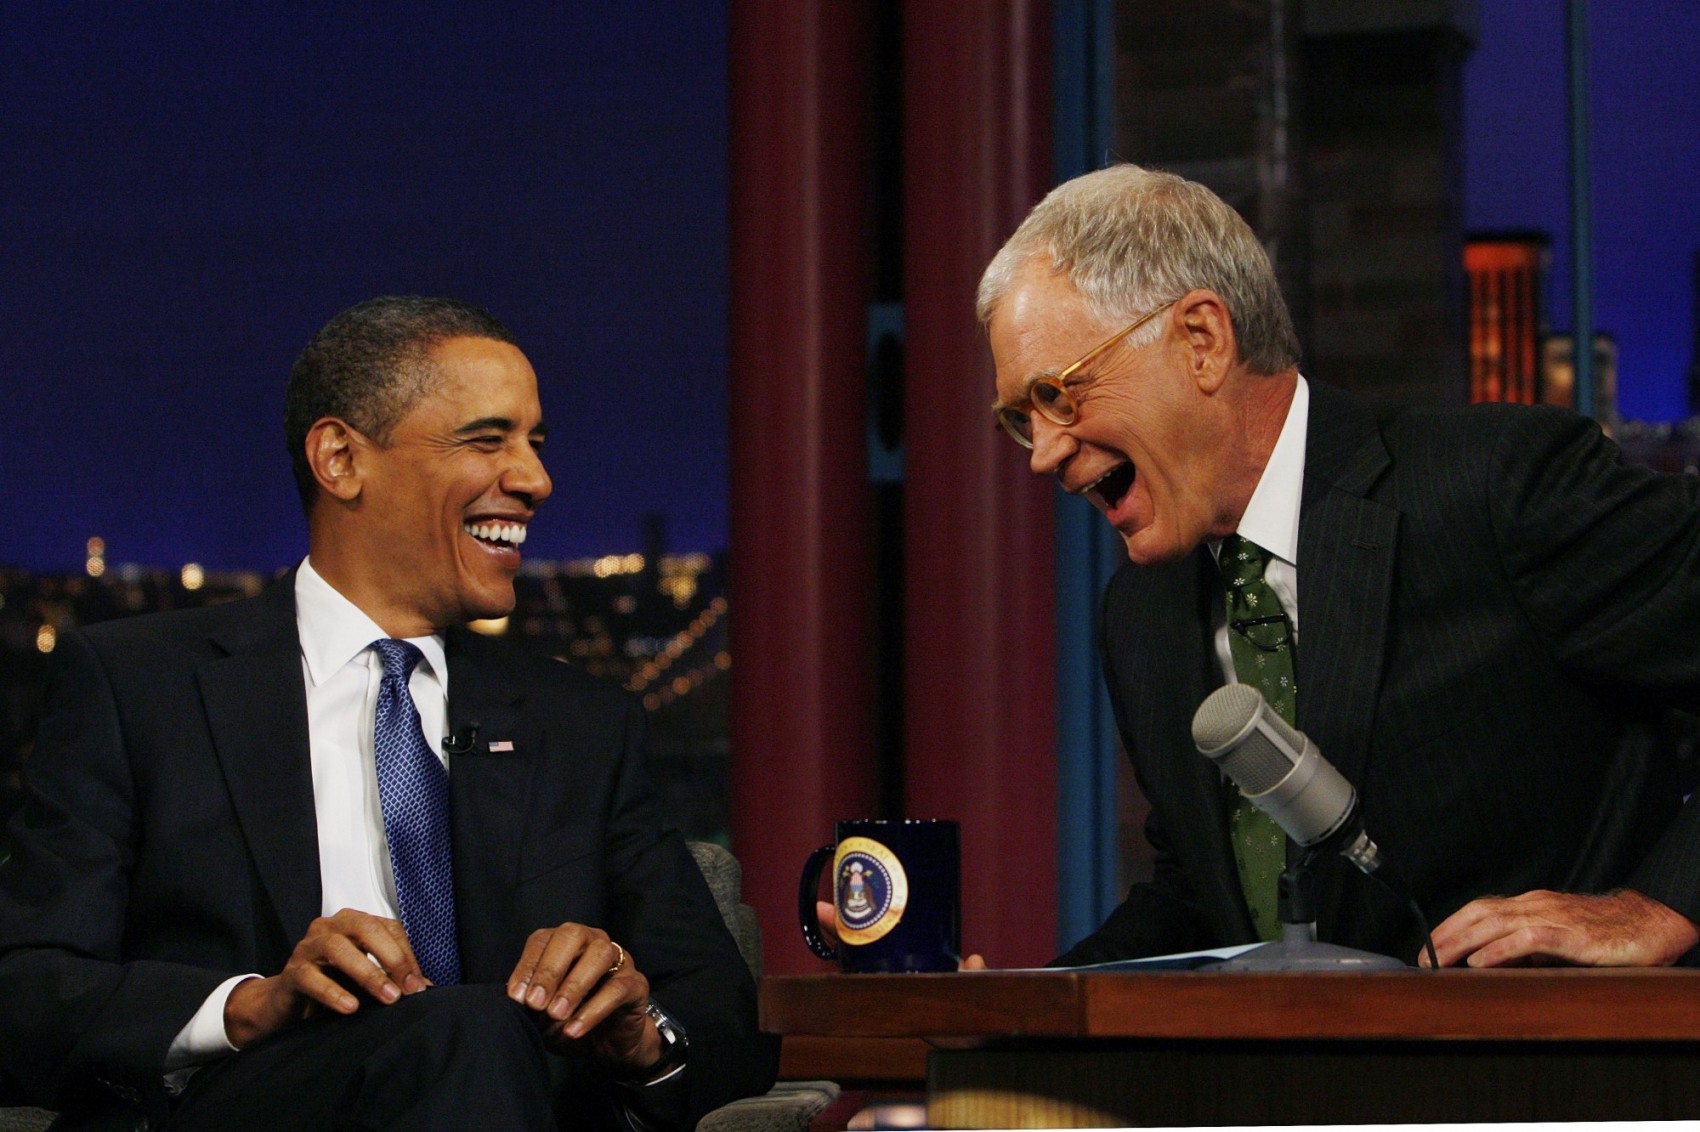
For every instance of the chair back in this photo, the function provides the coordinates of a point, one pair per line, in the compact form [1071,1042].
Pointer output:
[725,879]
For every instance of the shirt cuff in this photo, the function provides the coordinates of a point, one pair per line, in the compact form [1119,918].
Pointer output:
[203,1039]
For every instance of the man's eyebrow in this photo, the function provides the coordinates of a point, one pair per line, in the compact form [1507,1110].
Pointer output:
[498,424]
[1026,389]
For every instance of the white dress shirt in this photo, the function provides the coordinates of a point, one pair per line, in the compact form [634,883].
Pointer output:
[341,674]
[1271,520]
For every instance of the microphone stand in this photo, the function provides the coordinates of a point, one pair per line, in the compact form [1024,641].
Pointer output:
[1298,948]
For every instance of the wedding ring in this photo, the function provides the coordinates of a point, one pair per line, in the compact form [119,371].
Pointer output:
[620,962]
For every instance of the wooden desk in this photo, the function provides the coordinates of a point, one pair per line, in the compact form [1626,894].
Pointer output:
[1075,1049]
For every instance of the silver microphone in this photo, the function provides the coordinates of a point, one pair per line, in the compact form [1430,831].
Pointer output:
[1281,772]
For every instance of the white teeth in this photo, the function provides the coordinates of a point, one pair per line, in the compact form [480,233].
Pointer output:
[513,533]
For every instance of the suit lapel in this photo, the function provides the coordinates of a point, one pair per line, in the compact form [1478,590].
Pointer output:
[1346,555]
[1170,674]
[1347,545]
[256,706]
[490,784]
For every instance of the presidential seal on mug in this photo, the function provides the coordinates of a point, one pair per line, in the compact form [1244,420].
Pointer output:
[872,890]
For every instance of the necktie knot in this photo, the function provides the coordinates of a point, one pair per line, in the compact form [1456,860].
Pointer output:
[400,657]
[1241,561]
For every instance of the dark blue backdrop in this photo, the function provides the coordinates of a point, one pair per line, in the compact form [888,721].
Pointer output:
[189,190]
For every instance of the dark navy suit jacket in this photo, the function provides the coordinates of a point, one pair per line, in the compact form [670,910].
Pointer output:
[167,842]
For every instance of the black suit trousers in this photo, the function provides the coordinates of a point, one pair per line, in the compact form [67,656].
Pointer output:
[448,1058]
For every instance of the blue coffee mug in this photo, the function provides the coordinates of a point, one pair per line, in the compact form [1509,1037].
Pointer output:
[897,887]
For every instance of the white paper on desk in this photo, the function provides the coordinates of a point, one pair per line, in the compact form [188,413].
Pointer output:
[1180,961]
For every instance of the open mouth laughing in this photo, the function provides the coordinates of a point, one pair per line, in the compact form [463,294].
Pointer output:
[1112,487]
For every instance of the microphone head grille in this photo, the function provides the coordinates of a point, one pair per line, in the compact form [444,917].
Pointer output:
[1256,765]
[1224,715]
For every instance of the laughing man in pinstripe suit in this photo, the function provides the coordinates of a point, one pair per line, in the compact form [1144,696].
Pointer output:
[1490,610]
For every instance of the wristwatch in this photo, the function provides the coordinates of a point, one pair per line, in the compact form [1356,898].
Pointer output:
[675,1045]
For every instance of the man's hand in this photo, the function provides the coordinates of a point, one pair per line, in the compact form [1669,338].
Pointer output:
[1541,928]
[827,914]
[591,991]
[333,959]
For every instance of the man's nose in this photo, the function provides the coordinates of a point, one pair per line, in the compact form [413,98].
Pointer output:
[526,476]
[1052,446]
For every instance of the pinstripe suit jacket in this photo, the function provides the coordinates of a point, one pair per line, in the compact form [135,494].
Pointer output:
[1496,610]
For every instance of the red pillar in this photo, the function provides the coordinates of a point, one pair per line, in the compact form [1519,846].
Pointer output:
[801,624]
[980,713]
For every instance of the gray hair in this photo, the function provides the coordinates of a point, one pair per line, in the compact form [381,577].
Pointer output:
[1131,239]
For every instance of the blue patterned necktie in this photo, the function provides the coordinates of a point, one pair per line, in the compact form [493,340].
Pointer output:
[1260,637]
[414,790]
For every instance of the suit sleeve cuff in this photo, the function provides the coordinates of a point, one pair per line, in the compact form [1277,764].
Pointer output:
[203,1038]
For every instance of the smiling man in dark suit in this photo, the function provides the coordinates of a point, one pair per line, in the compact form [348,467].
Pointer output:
[1473,612]
[325,858]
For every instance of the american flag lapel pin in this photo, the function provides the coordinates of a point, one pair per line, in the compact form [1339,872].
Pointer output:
[498,746]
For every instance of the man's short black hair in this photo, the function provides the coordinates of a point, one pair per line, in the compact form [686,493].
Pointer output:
[369,365]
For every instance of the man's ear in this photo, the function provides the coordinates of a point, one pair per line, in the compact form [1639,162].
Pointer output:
[1209,330]
[331,450]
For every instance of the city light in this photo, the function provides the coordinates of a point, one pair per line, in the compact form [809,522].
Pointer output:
[192,576]
[96,566]
[612,565]
[675,648]
[45,638]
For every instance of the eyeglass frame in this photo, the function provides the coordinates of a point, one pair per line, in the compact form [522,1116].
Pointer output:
[1004,413]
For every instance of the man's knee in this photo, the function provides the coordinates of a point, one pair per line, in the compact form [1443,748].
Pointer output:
[478,1022]
[459,1052]
[446,1058]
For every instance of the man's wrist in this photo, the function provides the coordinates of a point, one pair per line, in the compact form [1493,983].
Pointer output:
[675,1047]
[242,1024]
[1676,934]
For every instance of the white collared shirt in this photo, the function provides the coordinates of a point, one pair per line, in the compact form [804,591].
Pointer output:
[1271,520]
[341,674]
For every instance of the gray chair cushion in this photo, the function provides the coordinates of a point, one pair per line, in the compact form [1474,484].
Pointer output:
[789,1107]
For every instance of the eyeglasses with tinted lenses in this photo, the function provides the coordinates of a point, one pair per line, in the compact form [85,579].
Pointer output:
[1049,396]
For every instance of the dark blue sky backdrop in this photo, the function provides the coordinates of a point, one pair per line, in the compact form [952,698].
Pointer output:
[189,190]
[1644,70]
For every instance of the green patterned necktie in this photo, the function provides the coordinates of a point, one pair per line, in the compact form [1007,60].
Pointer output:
[1260,636]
